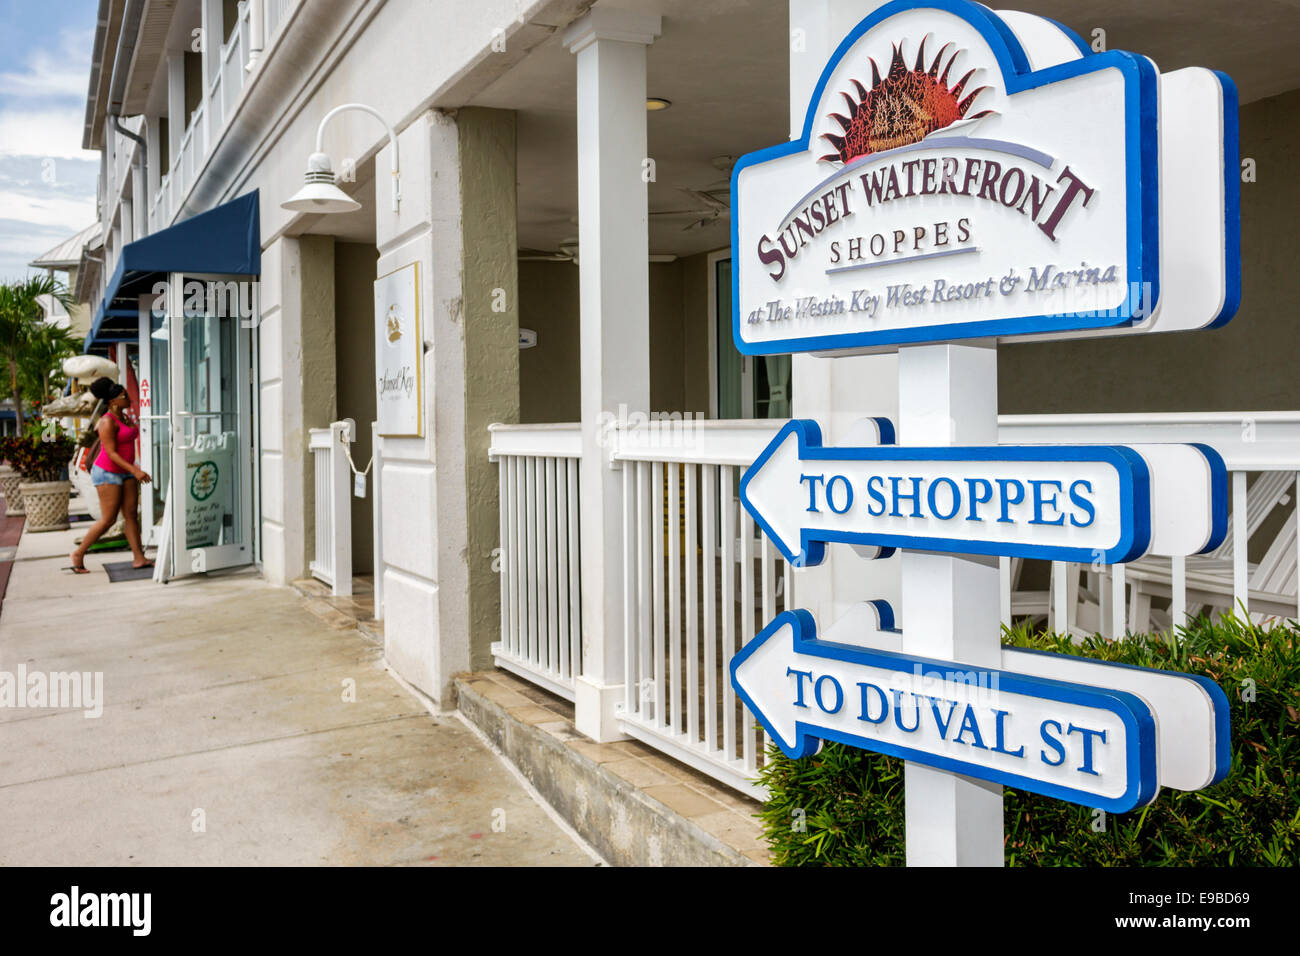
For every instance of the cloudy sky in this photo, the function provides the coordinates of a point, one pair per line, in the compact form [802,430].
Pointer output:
[47,181]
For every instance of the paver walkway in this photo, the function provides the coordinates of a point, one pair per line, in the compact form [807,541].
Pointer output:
[227,736]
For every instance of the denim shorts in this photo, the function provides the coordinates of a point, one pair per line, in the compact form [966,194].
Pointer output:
[102,476]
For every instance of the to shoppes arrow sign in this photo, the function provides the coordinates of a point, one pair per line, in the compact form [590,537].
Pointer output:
[1088,745]
[1083,503]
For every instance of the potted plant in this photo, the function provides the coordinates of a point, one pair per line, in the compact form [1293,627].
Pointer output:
[42,459]
[10,478]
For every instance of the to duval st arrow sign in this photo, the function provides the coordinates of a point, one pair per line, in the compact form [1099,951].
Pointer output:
[1074,742]
[1084,503]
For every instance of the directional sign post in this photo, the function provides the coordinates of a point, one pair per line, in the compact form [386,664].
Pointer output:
[965,175]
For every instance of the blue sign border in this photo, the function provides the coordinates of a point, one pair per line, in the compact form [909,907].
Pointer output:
[1134,490]
[1142,187]
[1218,701]
[1231,203]
[1139,725]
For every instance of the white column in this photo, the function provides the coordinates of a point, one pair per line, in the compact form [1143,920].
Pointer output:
[947,395]
[210,18]
[139,197]
[128,221]
[176,118]
[614,284]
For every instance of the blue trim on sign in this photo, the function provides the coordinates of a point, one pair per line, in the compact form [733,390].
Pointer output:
[1141,104]
[1218,496]
[1218,702]
[885,616]
[886,428]
[1139,725]
[1070,35]
[1231,203]
[1130,467]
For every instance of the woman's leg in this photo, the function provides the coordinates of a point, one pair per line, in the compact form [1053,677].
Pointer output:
[110,499]
[131,519]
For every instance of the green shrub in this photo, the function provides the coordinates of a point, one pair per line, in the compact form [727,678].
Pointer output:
[844,807]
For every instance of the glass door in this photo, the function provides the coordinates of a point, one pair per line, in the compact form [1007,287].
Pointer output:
[208,484]
[748,386]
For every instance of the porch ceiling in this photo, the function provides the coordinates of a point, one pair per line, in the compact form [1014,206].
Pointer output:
[724,66]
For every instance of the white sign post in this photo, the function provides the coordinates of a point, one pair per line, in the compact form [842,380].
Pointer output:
[965,176]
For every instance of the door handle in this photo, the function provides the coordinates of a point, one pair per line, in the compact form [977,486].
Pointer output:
[186,442]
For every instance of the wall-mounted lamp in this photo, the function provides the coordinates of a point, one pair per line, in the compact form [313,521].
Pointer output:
[320,194]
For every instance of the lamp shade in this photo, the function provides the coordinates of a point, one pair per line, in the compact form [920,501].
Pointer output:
[319,194]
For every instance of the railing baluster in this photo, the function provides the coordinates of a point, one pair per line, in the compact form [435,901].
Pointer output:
[503,537]
[728,611]
[767,557]
[530,531]
[1240,557]
[674,709]
[657,480]
[629,587]
[692,609]
[708,525]
[575,577]
[645,585]
[562,566]
[552,589]
[747,596]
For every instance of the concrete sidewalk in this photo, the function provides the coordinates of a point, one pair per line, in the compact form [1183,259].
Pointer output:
[226,736]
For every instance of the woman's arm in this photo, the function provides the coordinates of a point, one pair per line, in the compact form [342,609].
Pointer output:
[108,441]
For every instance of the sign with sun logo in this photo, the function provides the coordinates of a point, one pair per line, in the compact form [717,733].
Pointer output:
[399,353]
[969,174]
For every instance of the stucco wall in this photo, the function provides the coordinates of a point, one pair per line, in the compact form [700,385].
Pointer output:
[491,352]
[1245,366]
[679,339]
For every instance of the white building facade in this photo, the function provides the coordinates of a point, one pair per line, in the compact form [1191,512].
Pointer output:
[572,249]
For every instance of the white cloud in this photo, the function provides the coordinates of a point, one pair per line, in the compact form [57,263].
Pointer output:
[64,72]
[57,211]
[55,131]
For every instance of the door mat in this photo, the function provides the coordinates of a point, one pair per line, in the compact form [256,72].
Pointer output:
[122,571]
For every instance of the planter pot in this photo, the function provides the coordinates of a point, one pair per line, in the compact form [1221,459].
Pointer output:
[46,504]
[9,482]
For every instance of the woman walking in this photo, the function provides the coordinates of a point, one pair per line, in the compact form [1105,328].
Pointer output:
[114,474]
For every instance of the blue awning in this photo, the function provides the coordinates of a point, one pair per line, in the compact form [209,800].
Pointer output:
[226,240]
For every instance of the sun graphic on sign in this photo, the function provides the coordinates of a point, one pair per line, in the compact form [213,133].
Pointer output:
[394,324]
[204,481]
[902,107]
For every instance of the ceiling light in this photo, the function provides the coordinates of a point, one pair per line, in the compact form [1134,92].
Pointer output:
[654,104]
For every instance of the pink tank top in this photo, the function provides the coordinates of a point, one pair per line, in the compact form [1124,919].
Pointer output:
[126,435]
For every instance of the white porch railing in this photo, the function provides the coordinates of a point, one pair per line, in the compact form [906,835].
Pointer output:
[333,561]
[1262,453]
[698,580]
[541,612]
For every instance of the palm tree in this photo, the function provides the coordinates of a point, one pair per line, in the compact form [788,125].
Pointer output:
[38,368]
[20,321]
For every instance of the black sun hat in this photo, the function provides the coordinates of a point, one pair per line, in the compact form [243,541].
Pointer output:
[105,389]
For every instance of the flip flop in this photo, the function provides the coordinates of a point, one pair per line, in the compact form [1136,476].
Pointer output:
[147,564]
[77,570]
